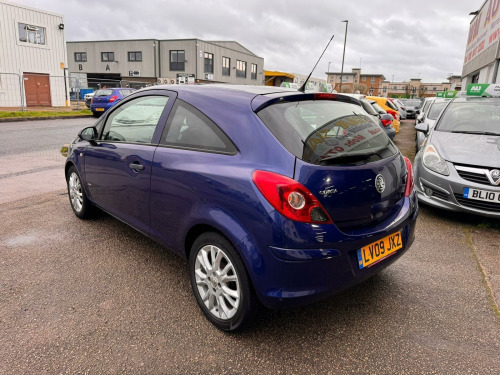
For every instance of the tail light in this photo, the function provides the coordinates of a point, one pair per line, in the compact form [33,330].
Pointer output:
[409,177]
[290,198]
[113,98]
[386,123]
[91,100]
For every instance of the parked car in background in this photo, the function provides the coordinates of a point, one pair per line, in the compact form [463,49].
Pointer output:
[411,107]
[273,195]
[400,106]
[458,169]
[422,111]
[88,98]
[104,99]
[435,108]
[382,118]
[389,107]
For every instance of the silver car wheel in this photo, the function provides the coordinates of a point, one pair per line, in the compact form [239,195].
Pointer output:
[217,282]
[75,192]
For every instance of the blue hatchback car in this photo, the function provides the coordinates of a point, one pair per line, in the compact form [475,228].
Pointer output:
[104,99]
[275,197]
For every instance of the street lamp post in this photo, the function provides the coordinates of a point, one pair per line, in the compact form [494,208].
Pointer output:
[328,74]
[343,55]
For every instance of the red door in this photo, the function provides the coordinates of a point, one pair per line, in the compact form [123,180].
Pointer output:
[37,89]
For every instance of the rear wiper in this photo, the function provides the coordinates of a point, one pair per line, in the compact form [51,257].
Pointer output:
[474,132]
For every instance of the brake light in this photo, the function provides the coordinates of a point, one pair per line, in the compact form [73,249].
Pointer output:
[113,98]
[290,198]
[409,177]
[325,96]
[386,123]
[91,100]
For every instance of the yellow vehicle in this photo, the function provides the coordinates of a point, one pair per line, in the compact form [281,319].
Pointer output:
[390,108]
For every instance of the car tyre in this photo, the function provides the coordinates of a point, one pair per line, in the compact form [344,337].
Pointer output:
[96,114]
[221,283]
[81,205]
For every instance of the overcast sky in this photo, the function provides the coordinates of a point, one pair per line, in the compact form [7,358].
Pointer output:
[399,39]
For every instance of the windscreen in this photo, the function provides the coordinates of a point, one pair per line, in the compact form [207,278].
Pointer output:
[472,117]
[436,109]
[327,132]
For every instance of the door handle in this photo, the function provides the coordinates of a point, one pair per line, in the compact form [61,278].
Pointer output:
[136,167]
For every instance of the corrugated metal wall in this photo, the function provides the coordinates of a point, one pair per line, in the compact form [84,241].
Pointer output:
[20,57]
[194,59]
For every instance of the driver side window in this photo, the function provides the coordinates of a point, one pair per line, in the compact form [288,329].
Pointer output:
[135,121]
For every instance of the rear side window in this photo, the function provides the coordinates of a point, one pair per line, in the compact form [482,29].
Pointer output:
[188,128]
[378,108]
[368,107]
[104,92]
[327,132]
[391,105]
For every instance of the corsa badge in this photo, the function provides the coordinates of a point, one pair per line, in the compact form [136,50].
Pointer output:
[380,183]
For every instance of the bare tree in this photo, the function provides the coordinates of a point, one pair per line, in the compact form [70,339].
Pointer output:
[361,88]
[347,89]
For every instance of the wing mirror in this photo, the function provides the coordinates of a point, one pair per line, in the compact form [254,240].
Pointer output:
[88,134]
[422,127]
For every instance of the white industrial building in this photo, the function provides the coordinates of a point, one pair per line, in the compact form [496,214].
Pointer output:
[32,57]
[482,54]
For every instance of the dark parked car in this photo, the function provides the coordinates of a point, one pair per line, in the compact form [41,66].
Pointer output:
[274,196]
[104,99]
[458,168]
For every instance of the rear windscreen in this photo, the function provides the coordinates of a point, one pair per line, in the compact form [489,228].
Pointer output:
[105,92]
[327,132]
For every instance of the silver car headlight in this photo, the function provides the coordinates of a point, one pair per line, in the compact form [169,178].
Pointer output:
[434,161]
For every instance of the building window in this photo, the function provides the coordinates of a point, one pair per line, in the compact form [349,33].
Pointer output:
[31,34]
[226,66]
[209,62]
[241,69]
[81,56]
[384,89]
[373,79]
[363,79]
[254,72]
[177,60]
[107,56]
[344,79]
[395,87]
[135,56]
[434,89]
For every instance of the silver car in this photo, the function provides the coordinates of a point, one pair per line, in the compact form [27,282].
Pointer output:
[435,108]
[458,168]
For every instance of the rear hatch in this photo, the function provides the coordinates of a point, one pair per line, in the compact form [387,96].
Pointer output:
[345,160]
[102,96]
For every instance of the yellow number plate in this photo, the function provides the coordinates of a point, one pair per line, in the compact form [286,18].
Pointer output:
[378,250]
[99,109]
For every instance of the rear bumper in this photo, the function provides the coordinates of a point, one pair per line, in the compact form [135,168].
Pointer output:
[289,277]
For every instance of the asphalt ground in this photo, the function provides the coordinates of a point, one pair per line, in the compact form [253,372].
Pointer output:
[97,297]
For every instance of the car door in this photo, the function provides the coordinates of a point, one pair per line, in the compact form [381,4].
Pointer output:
[118,164]
[192,153]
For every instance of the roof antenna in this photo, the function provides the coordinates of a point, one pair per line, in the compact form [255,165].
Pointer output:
[303,87]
